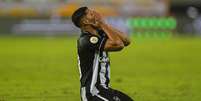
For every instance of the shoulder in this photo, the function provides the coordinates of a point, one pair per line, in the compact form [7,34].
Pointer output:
[89,39]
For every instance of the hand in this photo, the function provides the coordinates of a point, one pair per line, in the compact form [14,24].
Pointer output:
[98,20]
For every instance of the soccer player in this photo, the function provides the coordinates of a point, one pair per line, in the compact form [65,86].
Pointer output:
[96,40]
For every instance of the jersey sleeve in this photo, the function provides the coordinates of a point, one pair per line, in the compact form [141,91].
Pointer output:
[94,42]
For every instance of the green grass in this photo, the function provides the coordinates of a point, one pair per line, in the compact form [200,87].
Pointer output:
[45,69]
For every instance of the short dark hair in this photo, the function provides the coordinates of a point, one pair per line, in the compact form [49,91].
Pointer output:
[77,15]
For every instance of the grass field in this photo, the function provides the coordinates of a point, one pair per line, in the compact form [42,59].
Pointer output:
[45,69]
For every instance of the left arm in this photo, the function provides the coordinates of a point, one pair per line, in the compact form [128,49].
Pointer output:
[121,35]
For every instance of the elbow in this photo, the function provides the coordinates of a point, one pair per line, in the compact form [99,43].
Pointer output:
[119,45]
[120,48]
[113,46]
[127,42]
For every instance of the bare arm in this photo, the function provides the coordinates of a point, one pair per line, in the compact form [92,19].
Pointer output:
[114,43]
[122,36]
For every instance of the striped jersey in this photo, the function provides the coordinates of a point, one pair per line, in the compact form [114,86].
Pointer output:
[93,62]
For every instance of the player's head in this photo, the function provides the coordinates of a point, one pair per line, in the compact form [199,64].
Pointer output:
[83,16]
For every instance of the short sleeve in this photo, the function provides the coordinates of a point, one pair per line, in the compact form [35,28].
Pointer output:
[93,42]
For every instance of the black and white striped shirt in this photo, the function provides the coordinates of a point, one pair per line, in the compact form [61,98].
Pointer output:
[93,61]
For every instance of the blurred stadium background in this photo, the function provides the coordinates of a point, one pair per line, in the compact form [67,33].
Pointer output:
[38,49]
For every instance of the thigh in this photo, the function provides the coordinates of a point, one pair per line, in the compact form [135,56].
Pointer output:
[119,96]
[109,95]
[95,98]
[114,95]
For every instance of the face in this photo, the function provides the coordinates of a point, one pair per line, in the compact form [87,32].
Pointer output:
[89,18]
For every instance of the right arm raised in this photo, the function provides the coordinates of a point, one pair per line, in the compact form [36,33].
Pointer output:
[113,43]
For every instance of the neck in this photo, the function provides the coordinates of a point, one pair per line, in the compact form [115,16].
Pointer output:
[90,30]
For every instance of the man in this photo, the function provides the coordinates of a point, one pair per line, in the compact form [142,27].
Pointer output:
[96,40]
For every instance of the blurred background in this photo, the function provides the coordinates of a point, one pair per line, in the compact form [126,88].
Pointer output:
[52,17]
[38,49]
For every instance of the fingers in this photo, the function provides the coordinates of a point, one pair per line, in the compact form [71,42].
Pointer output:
[98,16]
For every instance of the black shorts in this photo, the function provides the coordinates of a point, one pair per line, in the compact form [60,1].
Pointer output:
[105,95]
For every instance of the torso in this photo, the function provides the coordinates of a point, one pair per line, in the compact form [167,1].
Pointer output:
[94,63]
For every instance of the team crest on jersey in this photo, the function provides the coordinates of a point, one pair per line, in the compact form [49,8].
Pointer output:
[94,40]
